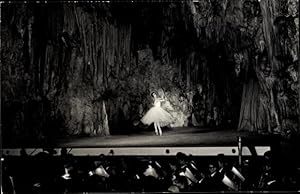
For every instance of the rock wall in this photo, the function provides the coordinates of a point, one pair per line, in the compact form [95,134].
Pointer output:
[89,68]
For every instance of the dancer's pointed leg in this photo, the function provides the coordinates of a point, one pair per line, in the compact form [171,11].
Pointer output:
[155,127]
[159,129]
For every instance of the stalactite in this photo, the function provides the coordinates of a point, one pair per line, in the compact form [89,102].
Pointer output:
[268,12]
[105,63]
[271,105]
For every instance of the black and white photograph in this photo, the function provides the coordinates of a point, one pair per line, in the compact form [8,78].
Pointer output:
[150,96]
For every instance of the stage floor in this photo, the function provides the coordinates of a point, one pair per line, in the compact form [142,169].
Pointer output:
[172,137]
[178,137]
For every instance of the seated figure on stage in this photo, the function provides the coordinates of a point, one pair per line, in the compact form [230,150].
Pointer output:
[157,115]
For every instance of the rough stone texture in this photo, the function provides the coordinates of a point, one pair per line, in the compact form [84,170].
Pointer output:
[275,60]
[83,68]
[250,32]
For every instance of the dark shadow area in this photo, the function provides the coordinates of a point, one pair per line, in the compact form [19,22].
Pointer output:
[48,172]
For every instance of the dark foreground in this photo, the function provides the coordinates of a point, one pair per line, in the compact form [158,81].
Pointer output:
[65,173]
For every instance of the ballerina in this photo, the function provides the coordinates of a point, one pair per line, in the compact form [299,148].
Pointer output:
[157,115]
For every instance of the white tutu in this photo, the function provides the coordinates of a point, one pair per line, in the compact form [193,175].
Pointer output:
[157,114]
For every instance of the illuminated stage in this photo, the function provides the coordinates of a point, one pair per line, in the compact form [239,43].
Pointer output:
[196,141]
[178,137]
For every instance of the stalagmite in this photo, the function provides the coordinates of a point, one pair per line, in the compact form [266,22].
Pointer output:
[100,57]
